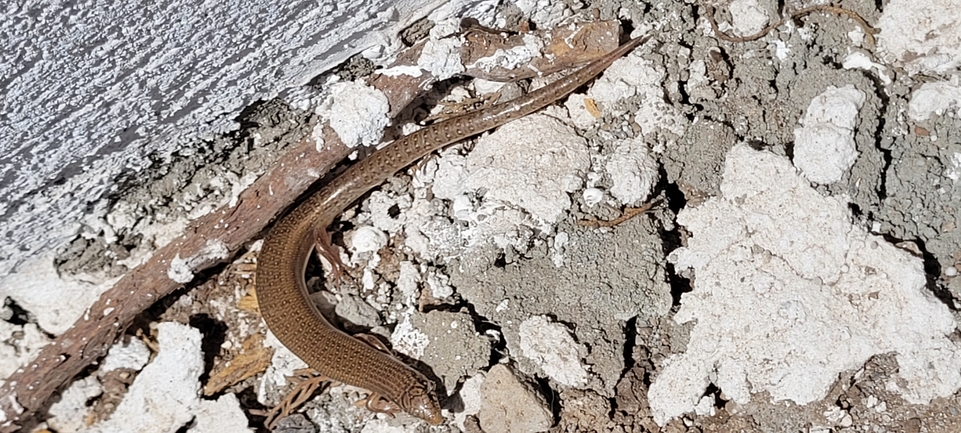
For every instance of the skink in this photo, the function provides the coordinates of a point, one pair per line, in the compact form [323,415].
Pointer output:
[282,291]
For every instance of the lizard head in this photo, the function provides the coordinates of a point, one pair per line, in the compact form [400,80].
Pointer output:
[420,400]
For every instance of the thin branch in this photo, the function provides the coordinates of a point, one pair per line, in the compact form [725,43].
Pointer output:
[628,213]
[208,241]
[868,30]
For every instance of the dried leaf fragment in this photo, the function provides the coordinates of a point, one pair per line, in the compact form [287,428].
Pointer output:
[253,359]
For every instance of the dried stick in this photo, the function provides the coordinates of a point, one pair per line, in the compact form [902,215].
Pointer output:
[209,240]
[628,213]
[868,30]
[306,385]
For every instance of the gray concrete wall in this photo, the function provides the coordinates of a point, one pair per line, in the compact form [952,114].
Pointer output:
[91,88]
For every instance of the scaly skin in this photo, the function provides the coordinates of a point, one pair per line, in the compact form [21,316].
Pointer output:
[282,291]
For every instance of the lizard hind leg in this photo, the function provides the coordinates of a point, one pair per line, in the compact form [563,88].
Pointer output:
[376,402]
[379,404]
[327,252]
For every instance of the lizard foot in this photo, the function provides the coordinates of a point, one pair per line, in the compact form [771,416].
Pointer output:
[328,253]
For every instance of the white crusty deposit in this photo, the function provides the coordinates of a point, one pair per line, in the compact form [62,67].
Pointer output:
[789,294]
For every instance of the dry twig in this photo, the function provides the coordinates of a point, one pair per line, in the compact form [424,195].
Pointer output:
[27,390]
[868,30]
[628,213]
[307,384]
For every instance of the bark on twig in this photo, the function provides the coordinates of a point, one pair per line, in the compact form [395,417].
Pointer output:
[209,240]
[564,48]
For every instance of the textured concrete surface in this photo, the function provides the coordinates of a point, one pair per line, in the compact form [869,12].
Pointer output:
[94,93]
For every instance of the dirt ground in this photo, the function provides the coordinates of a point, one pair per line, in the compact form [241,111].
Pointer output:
[534,321]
